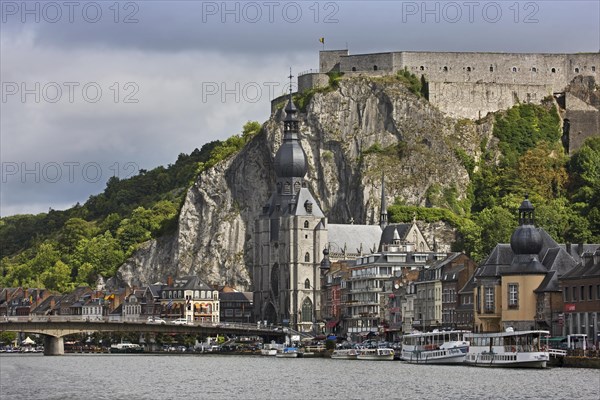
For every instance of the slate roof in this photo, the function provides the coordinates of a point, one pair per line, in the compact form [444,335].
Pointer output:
[387,236]
[188,283]
[353,238]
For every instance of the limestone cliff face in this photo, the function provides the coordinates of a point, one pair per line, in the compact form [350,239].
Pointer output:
[351,136]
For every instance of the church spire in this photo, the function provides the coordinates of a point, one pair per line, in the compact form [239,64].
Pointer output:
[383,217]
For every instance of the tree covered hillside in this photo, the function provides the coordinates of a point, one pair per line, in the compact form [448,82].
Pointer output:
[61,249]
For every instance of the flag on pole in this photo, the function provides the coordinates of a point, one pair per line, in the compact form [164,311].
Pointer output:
[322,40]
[170,304]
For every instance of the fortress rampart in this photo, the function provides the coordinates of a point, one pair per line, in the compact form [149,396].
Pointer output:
[470,85]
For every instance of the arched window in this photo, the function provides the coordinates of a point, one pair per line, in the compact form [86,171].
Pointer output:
[307,284]
[445,69]
[296,187]
[307,257]
[307,310]
[422,68]
[514,69]
[374,67]
[305,224]
[468,69]
[353,68]
[534,69]
[553,70]
[275,279]
[576,70]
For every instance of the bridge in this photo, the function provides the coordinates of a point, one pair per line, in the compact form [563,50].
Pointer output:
[54,328]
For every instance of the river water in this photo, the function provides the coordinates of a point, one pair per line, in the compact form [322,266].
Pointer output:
[139,376]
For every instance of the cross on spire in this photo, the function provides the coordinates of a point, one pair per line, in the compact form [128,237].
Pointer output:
[291,76]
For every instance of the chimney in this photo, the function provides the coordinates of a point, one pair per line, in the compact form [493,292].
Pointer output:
[568,245]
[169,280]
[52,304]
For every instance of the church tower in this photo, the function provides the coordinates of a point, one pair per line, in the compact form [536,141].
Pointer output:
[290,235]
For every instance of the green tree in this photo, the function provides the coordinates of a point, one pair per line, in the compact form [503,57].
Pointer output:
[58,277]
[497,225]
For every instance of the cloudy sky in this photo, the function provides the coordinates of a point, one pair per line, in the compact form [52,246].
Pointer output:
[92,89]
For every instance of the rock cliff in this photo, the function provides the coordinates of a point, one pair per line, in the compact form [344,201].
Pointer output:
[351,135]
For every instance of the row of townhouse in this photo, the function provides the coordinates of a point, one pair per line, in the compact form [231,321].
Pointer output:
[533,282]
[186,297]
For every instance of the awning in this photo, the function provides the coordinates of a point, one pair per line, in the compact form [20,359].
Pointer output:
[332,324]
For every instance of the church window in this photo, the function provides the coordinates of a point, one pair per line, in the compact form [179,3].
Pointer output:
[275,279]
[307,257]
[553,70]
[353,69]
[374,67]
[513,295]
[489,299]
[307,310]
[576,70]
[305,224]
[307,284]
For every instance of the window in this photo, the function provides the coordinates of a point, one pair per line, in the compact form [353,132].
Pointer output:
[513,295]
[489,299]
[307,284]
[566,294]
[374,67]
[593,68]
[574,293]
[491,68]
[353,68]
[553,70]
[307,257]
[422,68]
[514,69]
[468,69]
[534,69]
[582,290]
[307,310]
[305,224]
[229,313]
[590,293]
[445,69]
[576,70]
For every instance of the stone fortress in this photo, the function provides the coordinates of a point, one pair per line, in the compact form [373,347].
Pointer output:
[470,85]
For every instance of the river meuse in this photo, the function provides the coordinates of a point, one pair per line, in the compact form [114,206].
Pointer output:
[116,376]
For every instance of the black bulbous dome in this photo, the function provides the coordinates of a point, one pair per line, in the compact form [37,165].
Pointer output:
[290,160]
[526,239]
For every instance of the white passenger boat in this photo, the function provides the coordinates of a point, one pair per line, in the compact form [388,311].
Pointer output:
[287,352]
[379,354]
[344,354]
[437,347]
[516,349]
[270,349]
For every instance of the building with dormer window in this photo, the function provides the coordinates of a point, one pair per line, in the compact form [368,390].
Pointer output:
[190,298]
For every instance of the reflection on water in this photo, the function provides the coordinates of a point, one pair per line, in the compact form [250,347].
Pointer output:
[253,377]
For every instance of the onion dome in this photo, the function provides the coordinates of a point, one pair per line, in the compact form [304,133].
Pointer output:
[526,239]
[290,160]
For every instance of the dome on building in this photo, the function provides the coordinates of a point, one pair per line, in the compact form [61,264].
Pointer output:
[290,160]
[526,239]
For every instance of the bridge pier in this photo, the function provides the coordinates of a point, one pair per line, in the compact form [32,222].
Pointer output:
[54,346]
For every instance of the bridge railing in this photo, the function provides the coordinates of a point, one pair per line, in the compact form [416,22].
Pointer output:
[140,320]
[557,353]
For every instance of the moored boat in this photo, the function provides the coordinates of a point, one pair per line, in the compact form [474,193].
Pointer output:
[126,347]
[287,352]
[344,354]
[438,347]
[376,354]
[510,349]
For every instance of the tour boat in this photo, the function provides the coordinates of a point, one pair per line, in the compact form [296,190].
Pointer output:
[270,349]
[379,354]
[516,349]
[437,347]
[344,354]
[287,352]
